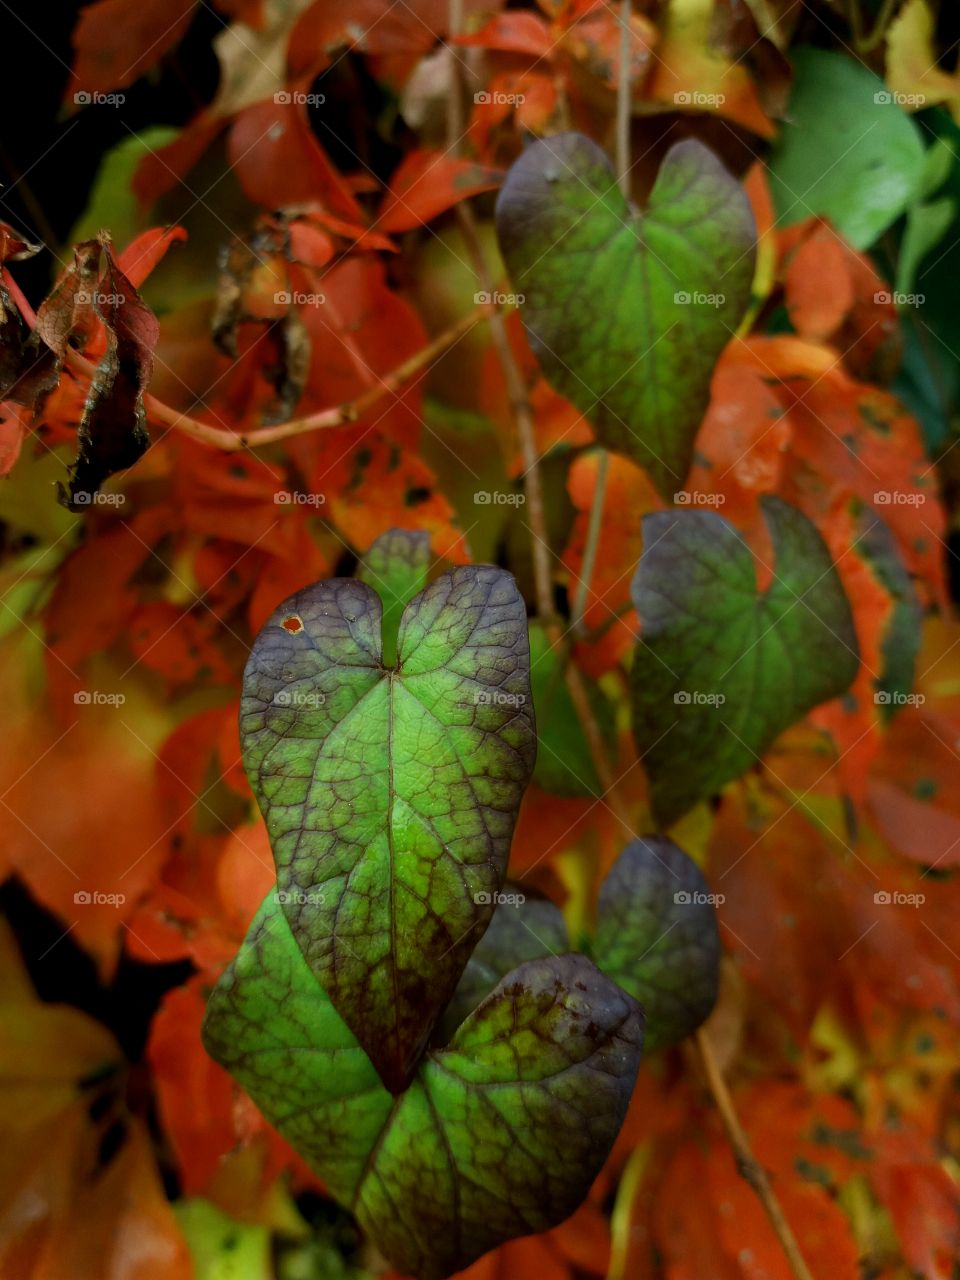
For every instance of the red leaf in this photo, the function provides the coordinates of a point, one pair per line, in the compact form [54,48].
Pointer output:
[429,182]
[279,162]
[522,32]
[116,41]
[144,253]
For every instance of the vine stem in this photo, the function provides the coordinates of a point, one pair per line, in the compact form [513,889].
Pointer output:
[622,151]
[516,387]
[533,488]
[748,1166]
[337,416]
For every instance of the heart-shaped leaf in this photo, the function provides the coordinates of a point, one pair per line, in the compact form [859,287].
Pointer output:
[500,1134]
[522,928]
[657,937]
[390,792]
[627,309]
[722,668]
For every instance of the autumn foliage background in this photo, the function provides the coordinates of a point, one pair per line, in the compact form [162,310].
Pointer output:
[245,159]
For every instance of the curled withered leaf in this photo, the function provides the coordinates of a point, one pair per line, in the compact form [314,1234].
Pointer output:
[113,430]
[27,368]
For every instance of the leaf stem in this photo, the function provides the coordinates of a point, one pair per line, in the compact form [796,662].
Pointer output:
[747,1164]
[590,547]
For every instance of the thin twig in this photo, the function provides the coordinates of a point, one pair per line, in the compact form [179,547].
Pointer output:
[867,43]
[623,102]
[516,388]
[595,523]
[594,526]
[337,416]
[747,1163]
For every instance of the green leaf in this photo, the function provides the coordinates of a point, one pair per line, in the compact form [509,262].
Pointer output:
[391,792]
[657,937]
[113,201]
[628,309]
[722,668]
[927,224]
[564,763]
[500,1134]
[396,566]
[846,151]
[221,1247]
[522,928]
[270,1023]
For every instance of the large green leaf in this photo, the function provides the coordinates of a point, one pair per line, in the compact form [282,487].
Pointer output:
[390,791]
[846,150]
[501,1132]
[628,309]
[722,668]
[657,937]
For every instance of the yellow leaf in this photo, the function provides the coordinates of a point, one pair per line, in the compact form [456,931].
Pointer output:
[912,72]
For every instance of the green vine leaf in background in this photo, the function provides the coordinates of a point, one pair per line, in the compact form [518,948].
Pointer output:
[628,309]
[500,1133]
[390,791]
[721,667]
[846,151]
[657,937]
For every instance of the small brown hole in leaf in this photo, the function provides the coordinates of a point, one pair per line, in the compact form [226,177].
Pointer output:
[293,624]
